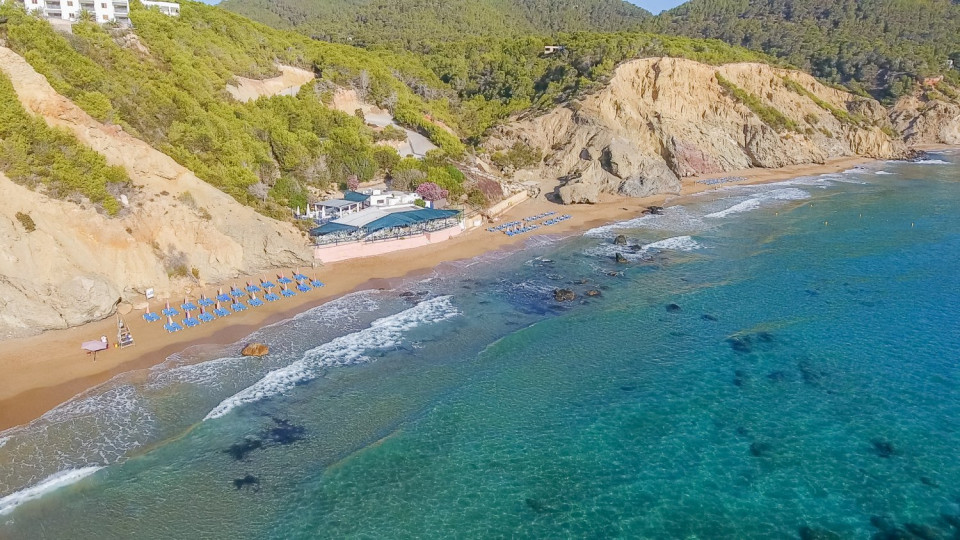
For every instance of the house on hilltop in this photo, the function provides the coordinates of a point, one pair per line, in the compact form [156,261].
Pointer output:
[102,11]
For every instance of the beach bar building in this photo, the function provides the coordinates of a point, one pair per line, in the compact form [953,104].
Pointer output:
[378,230]
[355,201]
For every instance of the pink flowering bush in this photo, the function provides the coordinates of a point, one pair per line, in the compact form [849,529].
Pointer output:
[431,192]
[353,182]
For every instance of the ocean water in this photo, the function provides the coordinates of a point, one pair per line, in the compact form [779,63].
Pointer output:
[775,361]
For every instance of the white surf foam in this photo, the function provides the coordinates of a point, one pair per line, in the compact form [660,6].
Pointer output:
[930,162]
[882,173]
[51,483]
[786,194]
[3,441]
[675,243]
[382,334]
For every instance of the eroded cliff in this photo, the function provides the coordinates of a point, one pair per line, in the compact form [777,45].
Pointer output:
[661,119]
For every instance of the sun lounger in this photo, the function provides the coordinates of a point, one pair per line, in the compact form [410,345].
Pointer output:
[238,307]
[316,284]
[205,317]
[288,293]
[221,312]
[151,317]
[303,288]
[256,302]
[170,312]
[253,288]
[284,280]
[190,322]
[189,306]
[223,297]
[270,297]
[205,302]
[268,284]
[237,293]
[300,277]
[172,327]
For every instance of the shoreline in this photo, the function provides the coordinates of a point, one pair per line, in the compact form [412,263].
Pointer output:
[46,370]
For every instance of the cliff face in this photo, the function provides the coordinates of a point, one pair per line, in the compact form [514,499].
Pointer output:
[922,120]
[661,119]
[78,264]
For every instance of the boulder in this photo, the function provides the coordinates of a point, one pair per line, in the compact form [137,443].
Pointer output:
[255,349]
[579,193]
[564,295]
[621,259]
[620,240]
[593,292]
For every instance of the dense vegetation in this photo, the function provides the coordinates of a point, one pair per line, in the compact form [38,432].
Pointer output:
[497,78]
[52,160]
[168,87]
[880,47]
[411,23]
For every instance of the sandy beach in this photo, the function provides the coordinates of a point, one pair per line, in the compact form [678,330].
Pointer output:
[42,371]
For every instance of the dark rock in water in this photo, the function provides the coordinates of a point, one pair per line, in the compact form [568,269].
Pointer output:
[709,317]
[628,388]
[888,529]
[240,450]
[760,449]
[582,281]
[407,294]
[673,308]
[882,448]
[777,376]
[812,292]
[620,240]
[613,274]
[743,431]
[593,292]
[741,344]
[249,481]
[815,533]
[255,349]
[620,258]
[927,481]
[924,532]
[764,337]
[537,506]
[655,210]
[810,374]
[564,295]
[285,433]
[882,524]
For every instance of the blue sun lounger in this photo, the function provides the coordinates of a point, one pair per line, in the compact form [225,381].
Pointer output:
[172,327]
[268,284]
[238,307]
[303,288]
[205,302]
[284,280]
[223,297]
[253,288]
[190,322]
[256,302]
[237,293]
[288,293]
[316,283]
[270,297]
[189,306]
[300,277]
[221,312]
[170,312]
[151,317]
[205,317]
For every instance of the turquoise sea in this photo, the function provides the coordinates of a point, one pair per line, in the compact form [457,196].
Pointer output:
[778,361]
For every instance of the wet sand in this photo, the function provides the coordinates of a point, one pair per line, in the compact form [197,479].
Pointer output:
[42,371]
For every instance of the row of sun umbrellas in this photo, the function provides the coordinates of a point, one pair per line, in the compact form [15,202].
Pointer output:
[233,298]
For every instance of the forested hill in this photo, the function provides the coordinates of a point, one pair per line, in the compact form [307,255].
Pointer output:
[413,22]
[877,46]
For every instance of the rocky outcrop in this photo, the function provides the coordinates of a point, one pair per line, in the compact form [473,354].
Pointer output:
[77,264]
[564,295]
[662,119]
[922,120]
[255,349]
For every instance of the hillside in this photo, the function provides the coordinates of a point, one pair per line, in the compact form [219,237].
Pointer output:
[881,47]
[414,23]
[662,119]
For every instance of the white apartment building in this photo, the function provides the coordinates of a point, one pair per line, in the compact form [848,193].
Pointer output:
[102,11]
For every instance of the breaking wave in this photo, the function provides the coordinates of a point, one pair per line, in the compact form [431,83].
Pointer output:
[385,333]
[787,194]
[51,483]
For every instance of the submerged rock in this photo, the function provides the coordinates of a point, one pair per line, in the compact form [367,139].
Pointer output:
[255,349]
[884,449]
[564,295]
[760,449]
[620,258]
[709,317]
[593,292]
[674,308]
[816,533]
[240,450]
[285,433]
[249,481]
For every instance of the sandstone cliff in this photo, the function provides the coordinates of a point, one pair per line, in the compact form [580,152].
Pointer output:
[924,120]
[78,264]
[661,119]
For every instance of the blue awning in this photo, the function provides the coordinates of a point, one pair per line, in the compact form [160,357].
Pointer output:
[405,219]
[355,196]
[331,228]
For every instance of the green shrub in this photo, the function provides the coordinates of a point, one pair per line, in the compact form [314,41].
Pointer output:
[768,115]
[26,221]
[841,115]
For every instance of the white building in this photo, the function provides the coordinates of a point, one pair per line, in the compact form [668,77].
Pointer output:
[102,11]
